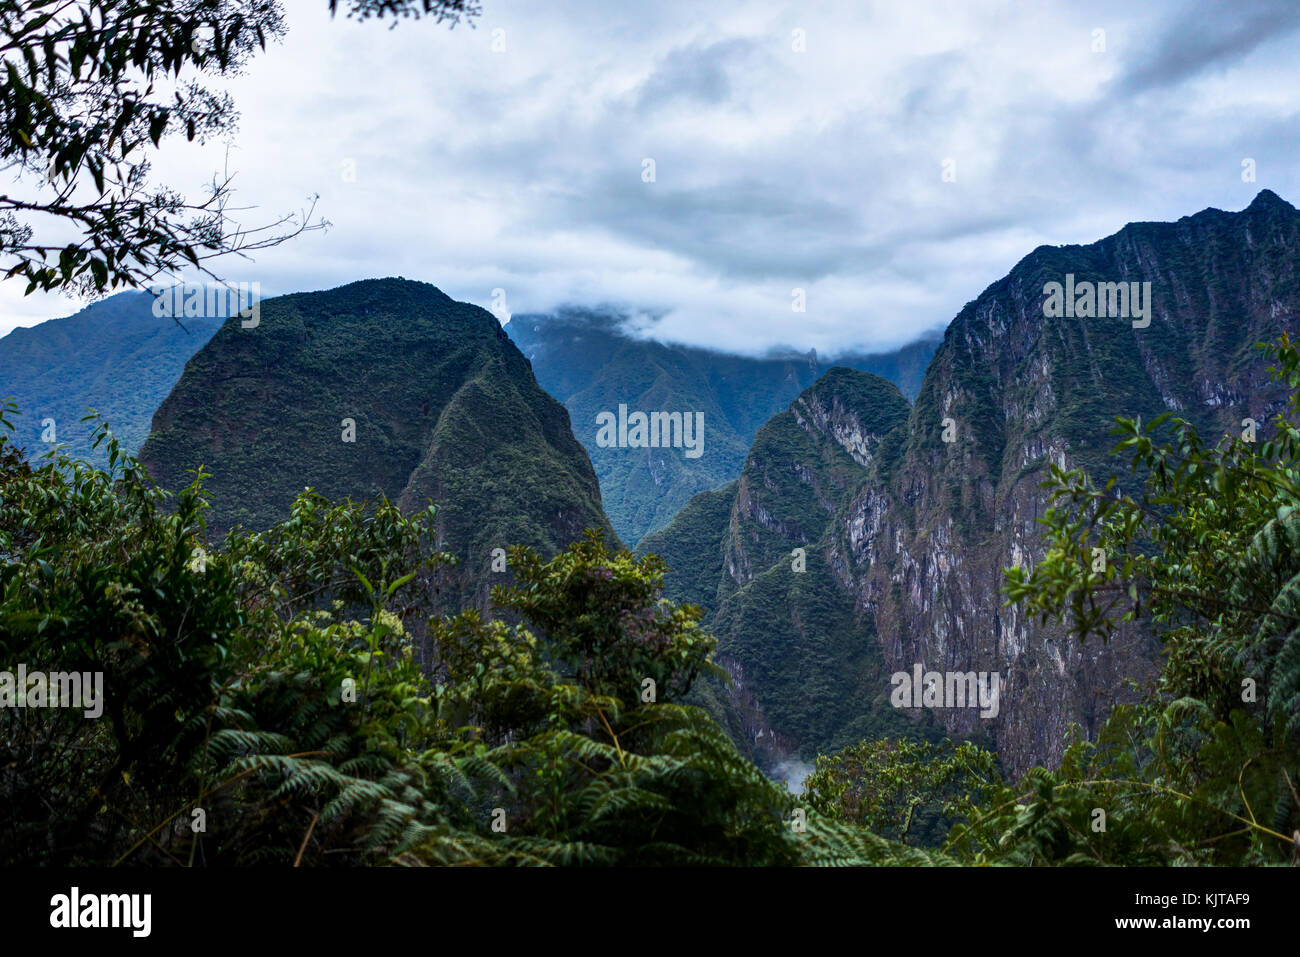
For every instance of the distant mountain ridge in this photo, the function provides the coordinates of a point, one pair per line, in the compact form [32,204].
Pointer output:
[113,356]
[586,360]
[118,358]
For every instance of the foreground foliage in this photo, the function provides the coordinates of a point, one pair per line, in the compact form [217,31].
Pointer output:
[89,92]
[285,699]
[280,701]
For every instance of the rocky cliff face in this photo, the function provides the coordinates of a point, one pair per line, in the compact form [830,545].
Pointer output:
[805,664]
[907,534]
[923,544]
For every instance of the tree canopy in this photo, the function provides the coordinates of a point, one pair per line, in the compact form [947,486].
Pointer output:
[276,697]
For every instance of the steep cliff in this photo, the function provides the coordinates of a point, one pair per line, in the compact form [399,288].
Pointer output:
[923,544]
[936,508]
[805,664]
[381,387]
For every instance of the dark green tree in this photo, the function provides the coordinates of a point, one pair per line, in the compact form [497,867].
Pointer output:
[909,791]
[274,700]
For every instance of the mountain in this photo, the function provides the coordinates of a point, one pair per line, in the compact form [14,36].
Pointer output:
[590,363]
[381,387]
[113,356]
[918,546]
[806,667]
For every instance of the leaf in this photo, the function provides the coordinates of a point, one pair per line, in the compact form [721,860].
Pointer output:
[399,583]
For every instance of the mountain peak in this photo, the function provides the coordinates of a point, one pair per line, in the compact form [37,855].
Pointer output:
[382,387]
[394,284]
[854,387]
[1267,199]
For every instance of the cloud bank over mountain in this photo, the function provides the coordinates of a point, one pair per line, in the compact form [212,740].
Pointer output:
[523,168]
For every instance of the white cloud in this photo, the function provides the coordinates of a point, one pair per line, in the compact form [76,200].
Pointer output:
[775,169]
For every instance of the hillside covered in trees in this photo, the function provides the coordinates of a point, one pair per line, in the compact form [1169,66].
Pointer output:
[269,687]
[114,357]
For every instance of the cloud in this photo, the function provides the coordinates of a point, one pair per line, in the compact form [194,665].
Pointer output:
[693,73]
[775,169]
[1210,36]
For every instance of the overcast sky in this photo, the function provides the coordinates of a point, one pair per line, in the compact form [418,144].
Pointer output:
[774,168]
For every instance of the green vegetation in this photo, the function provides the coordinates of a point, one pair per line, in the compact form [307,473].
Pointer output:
[263,703]
[907,790]
[1205,767]
[292,685]
[691,547]
[812,661]
[444,406]
[586,361]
